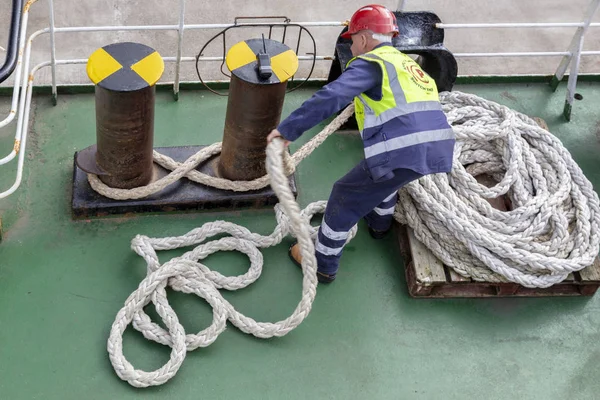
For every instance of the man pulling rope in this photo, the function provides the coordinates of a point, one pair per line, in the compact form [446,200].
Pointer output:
[404,130]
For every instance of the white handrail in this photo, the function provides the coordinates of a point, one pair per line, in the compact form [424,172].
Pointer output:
[515,25]
[576,50]
[16,88]
[53,51]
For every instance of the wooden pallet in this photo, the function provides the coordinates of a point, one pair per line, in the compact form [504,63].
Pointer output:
[428,277]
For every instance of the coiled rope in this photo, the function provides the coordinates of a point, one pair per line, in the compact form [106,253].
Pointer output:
[552,229]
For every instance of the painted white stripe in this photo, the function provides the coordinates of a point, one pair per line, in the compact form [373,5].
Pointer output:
[390,197]
[385,211]
[401,109]
[392,74]
[328,251]
[331,234]
[409,140]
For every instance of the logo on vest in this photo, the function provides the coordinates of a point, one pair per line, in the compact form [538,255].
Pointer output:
[418,73]
[417,76]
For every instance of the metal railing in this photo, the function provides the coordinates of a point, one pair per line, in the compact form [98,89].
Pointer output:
[24,77]
[10,62]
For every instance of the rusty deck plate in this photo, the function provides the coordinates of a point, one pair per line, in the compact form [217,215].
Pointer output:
[183,195]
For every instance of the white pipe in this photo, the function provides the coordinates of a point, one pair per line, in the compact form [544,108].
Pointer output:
[109,28]
[18,72]
[26,82]
[25,128]
[311,24]
[516,25]
[23,121]
[176,27]
[21,140]
[78,61]
[10,155]
[17,87]
[518,54]
[223,26]
[212,59]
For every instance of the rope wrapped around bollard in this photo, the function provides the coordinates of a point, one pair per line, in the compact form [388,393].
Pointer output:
[186,169]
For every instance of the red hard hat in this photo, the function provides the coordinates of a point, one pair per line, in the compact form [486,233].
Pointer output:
[373,17]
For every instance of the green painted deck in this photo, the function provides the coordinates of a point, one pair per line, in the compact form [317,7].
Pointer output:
[63,281]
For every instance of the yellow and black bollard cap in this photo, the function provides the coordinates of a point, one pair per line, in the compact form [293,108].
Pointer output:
[125,67]
[262,61]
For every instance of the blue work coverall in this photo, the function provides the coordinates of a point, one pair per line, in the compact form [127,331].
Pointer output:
[364,192]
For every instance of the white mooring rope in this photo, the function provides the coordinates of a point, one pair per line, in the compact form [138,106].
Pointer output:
[551,231]
[553,227]
[186,274]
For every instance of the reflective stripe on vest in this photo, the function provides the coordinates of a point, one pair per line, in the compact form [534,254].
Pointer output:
[397,69]
[401,142]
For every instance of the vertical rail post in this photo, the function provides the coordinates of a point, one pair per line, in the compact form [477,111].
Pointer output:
[574,59]
[572,84]
[52,53]
[179,49]
[401,5]
[579,33]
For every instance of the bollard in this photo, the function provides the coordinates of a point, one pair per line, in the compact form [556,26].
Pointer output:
[260,70]
[125,75]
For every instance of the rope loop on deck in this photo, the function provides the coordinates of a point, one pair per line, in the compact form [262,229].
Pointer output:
[551,231]
[188,275]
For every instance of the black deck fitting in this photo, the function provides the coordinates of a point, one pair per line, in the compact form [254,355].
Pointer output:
[418,35]
[183,195]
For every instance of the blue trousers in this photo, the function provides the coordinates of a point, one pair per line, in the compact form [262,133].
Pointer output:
[354,196]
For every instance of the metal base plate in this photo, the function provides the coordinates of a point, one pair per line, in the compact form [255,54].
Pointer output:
[183,195]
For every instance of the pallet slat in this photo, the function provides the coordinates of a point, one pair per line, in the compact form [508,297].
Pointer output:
[427,277]
[428,269]
[591,273]
[507,289]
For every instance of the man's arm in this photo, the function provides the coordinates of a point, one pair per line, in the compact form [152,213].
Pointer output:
[358,78]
